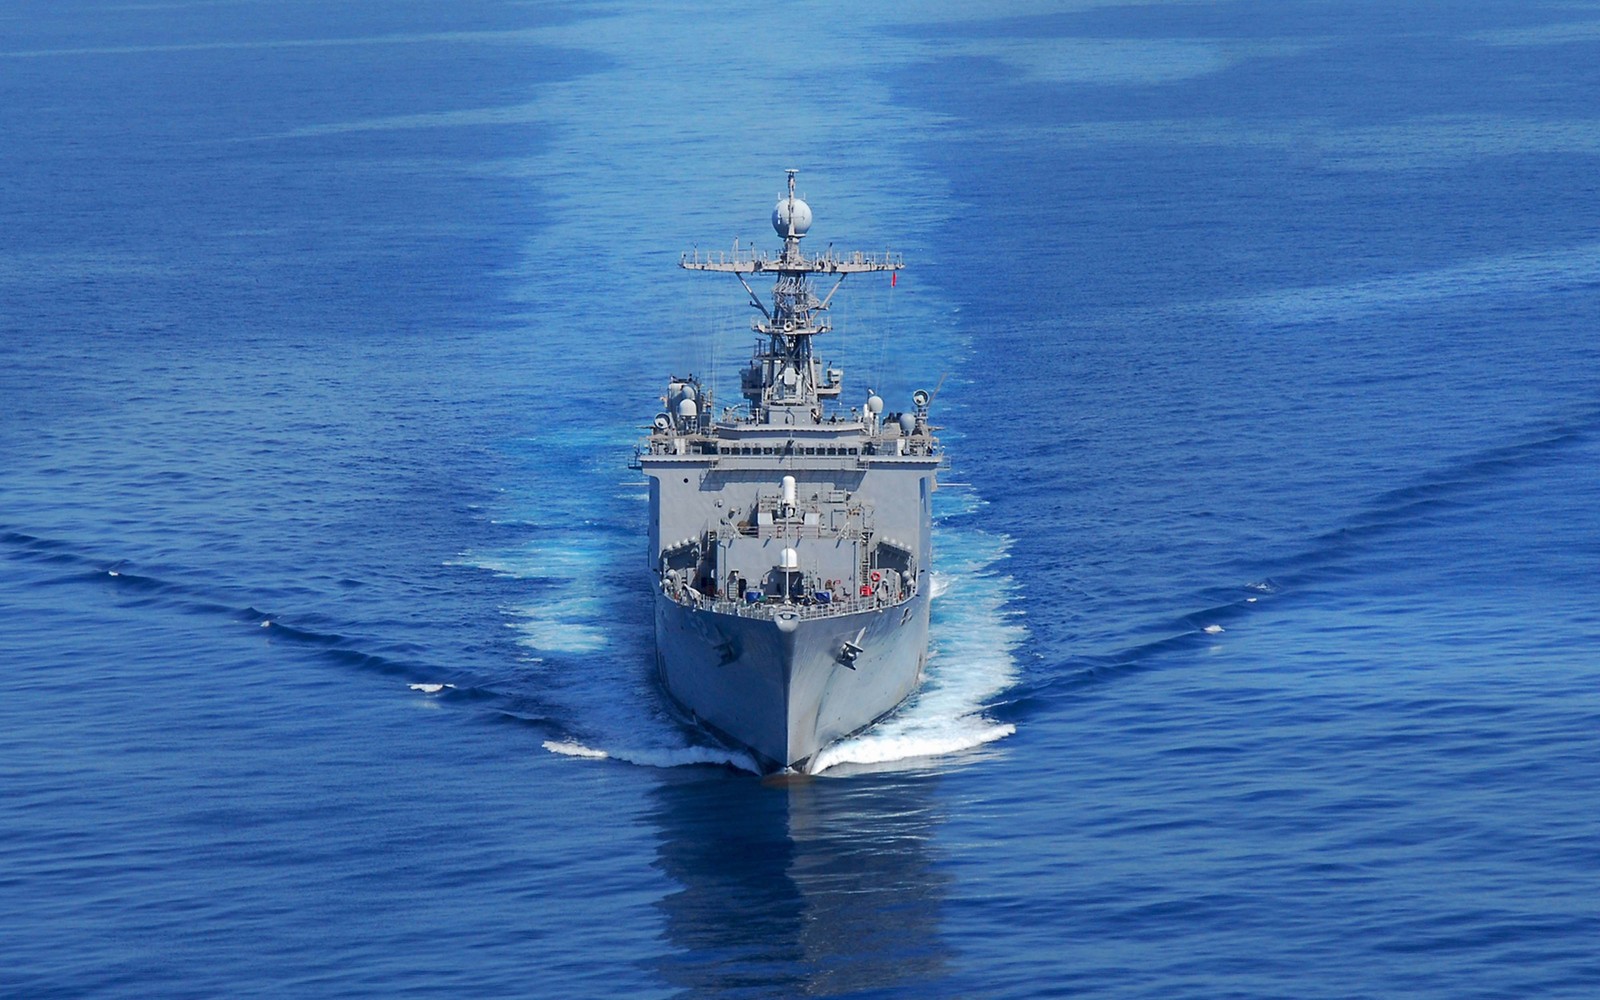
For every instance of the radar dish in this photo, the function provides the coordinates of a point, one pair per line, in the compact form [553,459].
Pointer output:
[781,220]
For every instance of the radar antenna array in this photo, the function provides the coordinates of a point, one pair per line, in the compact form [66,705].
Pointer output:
[796,314]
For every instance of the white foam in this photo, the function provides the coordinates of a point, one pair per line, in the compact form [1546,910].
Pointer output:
[1212,629]
[952,499]
[570,749]
[564,625]
[572,558]
[568,619]
[430,688]
[682,756]
[889,747]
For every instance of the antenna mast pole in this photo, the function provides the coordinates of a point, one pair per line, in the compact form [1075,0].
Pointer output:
[783,376]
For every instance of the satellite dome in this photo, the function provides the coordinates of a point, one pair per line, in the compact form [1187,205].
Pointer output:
[802,217]
[874,404]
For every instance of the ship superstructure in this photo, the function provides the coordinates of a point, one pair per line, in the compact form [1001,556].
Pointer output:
[789,535]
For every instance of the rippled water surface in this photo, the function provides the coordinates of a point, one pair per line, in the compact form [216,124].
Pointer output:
[1266,656]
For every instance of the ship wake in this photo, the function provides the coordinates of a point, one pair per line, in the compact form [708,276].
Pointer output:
[681,756]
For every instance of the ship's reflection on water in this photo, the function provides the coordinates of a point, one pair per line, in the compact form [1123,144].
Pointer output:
[816,887]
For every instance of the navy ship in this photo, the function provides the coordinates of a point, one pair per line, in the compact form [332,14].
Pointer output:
[790,534]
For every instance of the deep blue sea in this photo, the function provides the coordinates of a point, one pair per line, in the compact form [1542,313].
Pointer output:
[1266,656]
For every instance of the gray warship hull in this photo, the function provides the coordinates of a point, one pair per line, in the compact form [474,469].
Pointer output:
[778,686]
[789,536]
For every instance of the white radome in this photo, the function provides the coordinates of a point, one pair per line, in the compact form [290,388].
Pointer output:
[802,217]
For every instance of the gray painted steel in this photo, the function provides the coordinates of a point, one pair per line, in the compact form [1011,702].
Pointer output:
[789,536]
[786,693]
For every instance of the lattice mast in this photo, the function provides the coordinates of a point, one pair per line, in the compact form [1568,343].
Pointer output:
[783,374]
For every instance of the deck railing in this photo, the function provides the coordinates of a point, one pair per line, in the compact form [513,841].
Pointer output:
[767,610]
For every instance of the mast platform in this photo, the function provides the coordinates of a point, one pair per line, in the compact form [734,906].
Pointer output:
[752,261]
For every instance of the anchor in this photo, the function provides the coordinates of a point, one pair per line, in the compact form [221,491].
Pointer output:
[852,648]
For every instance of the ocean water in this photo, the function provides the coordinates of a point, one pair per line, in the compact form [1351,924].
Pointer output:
[1266,656]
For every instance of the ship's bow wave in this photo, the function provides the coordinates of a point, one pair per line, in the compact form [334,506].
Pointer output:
[600,701]
[974,634]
